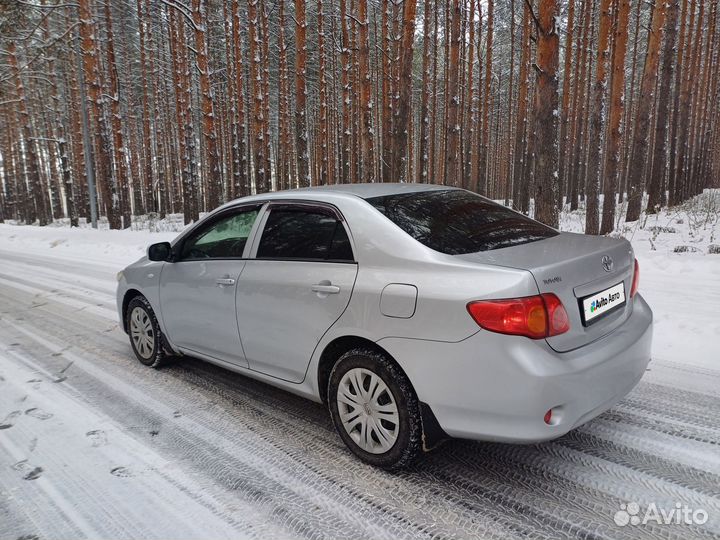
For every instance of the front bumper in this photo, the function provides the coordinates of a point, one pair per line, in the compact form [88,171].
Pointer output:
[498,388]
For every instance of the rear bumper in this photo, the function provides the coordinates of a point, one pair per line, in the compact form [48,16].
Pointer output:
[498,388]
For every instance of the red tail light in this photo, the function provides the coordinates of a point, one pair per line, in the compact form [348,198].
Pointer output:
[536,317]
[636,280]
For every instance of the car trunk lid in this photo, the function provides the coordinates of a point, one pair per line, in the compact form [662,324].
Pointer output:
[574,267]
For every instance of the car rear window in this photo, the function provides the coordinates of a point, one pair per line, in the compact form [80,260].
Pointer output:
[456,222]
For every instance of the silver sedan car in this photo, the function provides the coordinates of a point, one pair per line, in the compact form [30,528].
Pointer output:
[415,312]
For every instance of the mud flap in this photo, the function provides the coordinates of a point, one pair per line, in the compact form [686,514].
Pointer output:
[432,434]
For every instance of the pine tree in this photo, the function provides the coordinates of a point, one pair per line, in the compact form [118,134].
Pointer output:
[546,114]
[597,118]
[642,120]
[617,104]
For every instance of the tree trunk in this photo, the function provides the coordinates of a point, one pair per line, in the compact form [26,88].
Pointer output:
[119,149]
[403,124]
[40,208]
[617,104]
[184,120]
[323,125]
[699,119]
[520,184]
[689,76]
[452,100]
[423,155]
[147,200]
[107,184]
[680,68]
[433,169]
[213,175]
[241,182]
[301,128]
[659,162]
[565,115]
[597,120]
[642,118]
[482,187]
[546,106]
[367,160]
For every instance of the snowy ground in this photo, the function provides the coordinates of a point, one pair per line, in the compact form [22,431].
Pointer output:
[92,444]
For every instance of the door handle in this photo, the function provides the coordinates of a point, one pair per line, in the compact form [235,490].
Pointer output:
[225,281]
[325,288]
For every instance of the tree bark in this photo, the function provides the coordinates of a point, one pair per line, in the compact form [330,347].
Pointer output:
[546,117]
[656,184]
[565,115]
[597,120]
[323,124]
[403,124]
[40,209]
[213,175]
[642,118]
[301,128]
[520,184]
[119,149]
[482,187]
[617,104]
[107,184]
[241,179]
[452,100]
[367,134]
[423,155]
[147,199]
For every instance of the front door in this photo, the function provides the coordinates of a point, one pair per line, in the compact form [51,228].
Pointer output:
[197,291]
[294,289]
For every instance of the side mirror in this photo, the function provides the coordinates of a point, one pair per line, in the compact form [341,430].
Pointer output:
[160,251]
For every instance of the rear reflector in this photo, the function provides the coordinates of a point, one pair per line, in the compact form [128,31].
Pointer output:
[636,280]
[536,317]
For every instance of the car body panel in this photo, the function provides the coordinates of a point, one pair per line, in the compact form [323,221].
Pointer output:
[570,266]
[479,384]
[199,313]
[496,387]
[281,319]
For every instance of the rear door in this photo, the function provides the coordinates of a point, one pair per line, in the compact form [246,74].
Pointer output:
[295,287]
[197,290]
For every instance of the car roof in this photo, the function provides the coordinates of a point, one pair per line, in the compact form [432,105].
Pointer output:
[364,190]
[368,190]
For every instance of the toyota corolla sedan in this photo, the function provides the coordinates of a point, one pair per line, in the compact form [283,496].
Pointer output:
[414,312]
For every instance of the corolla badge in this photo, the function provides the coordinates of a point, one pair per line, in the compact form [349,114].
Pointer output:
[608,263]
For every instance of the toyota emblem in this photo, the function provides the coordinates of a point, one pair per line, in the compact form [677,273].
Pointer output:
[607,263]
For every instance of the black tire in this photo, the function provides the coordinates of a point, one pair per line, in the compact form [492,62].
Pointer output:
[408,445]
[159,355]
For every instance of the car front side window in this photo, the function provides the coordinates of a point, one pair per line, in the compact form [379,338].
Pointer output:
[223,239]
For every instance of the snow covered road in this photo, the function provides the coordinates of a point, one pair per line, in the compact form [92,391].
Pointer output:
[93,444]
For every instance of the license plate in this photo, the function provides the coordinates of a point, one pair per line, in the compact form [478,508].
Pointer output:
[603,302]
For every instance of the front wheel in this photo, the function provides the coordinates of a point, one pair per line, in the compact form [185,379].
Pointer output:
[374,409]
[145,335]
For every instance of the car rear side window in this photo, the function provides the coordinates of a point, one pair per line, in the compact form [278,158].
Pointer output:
[456,222]
[304,234]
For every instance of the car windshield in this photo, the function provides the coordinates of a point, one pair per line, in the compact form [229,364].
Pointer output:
[456,222]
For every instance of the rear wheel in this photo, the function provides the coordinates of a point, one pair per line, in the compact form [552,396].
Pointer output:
[146,337]
[374,409]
